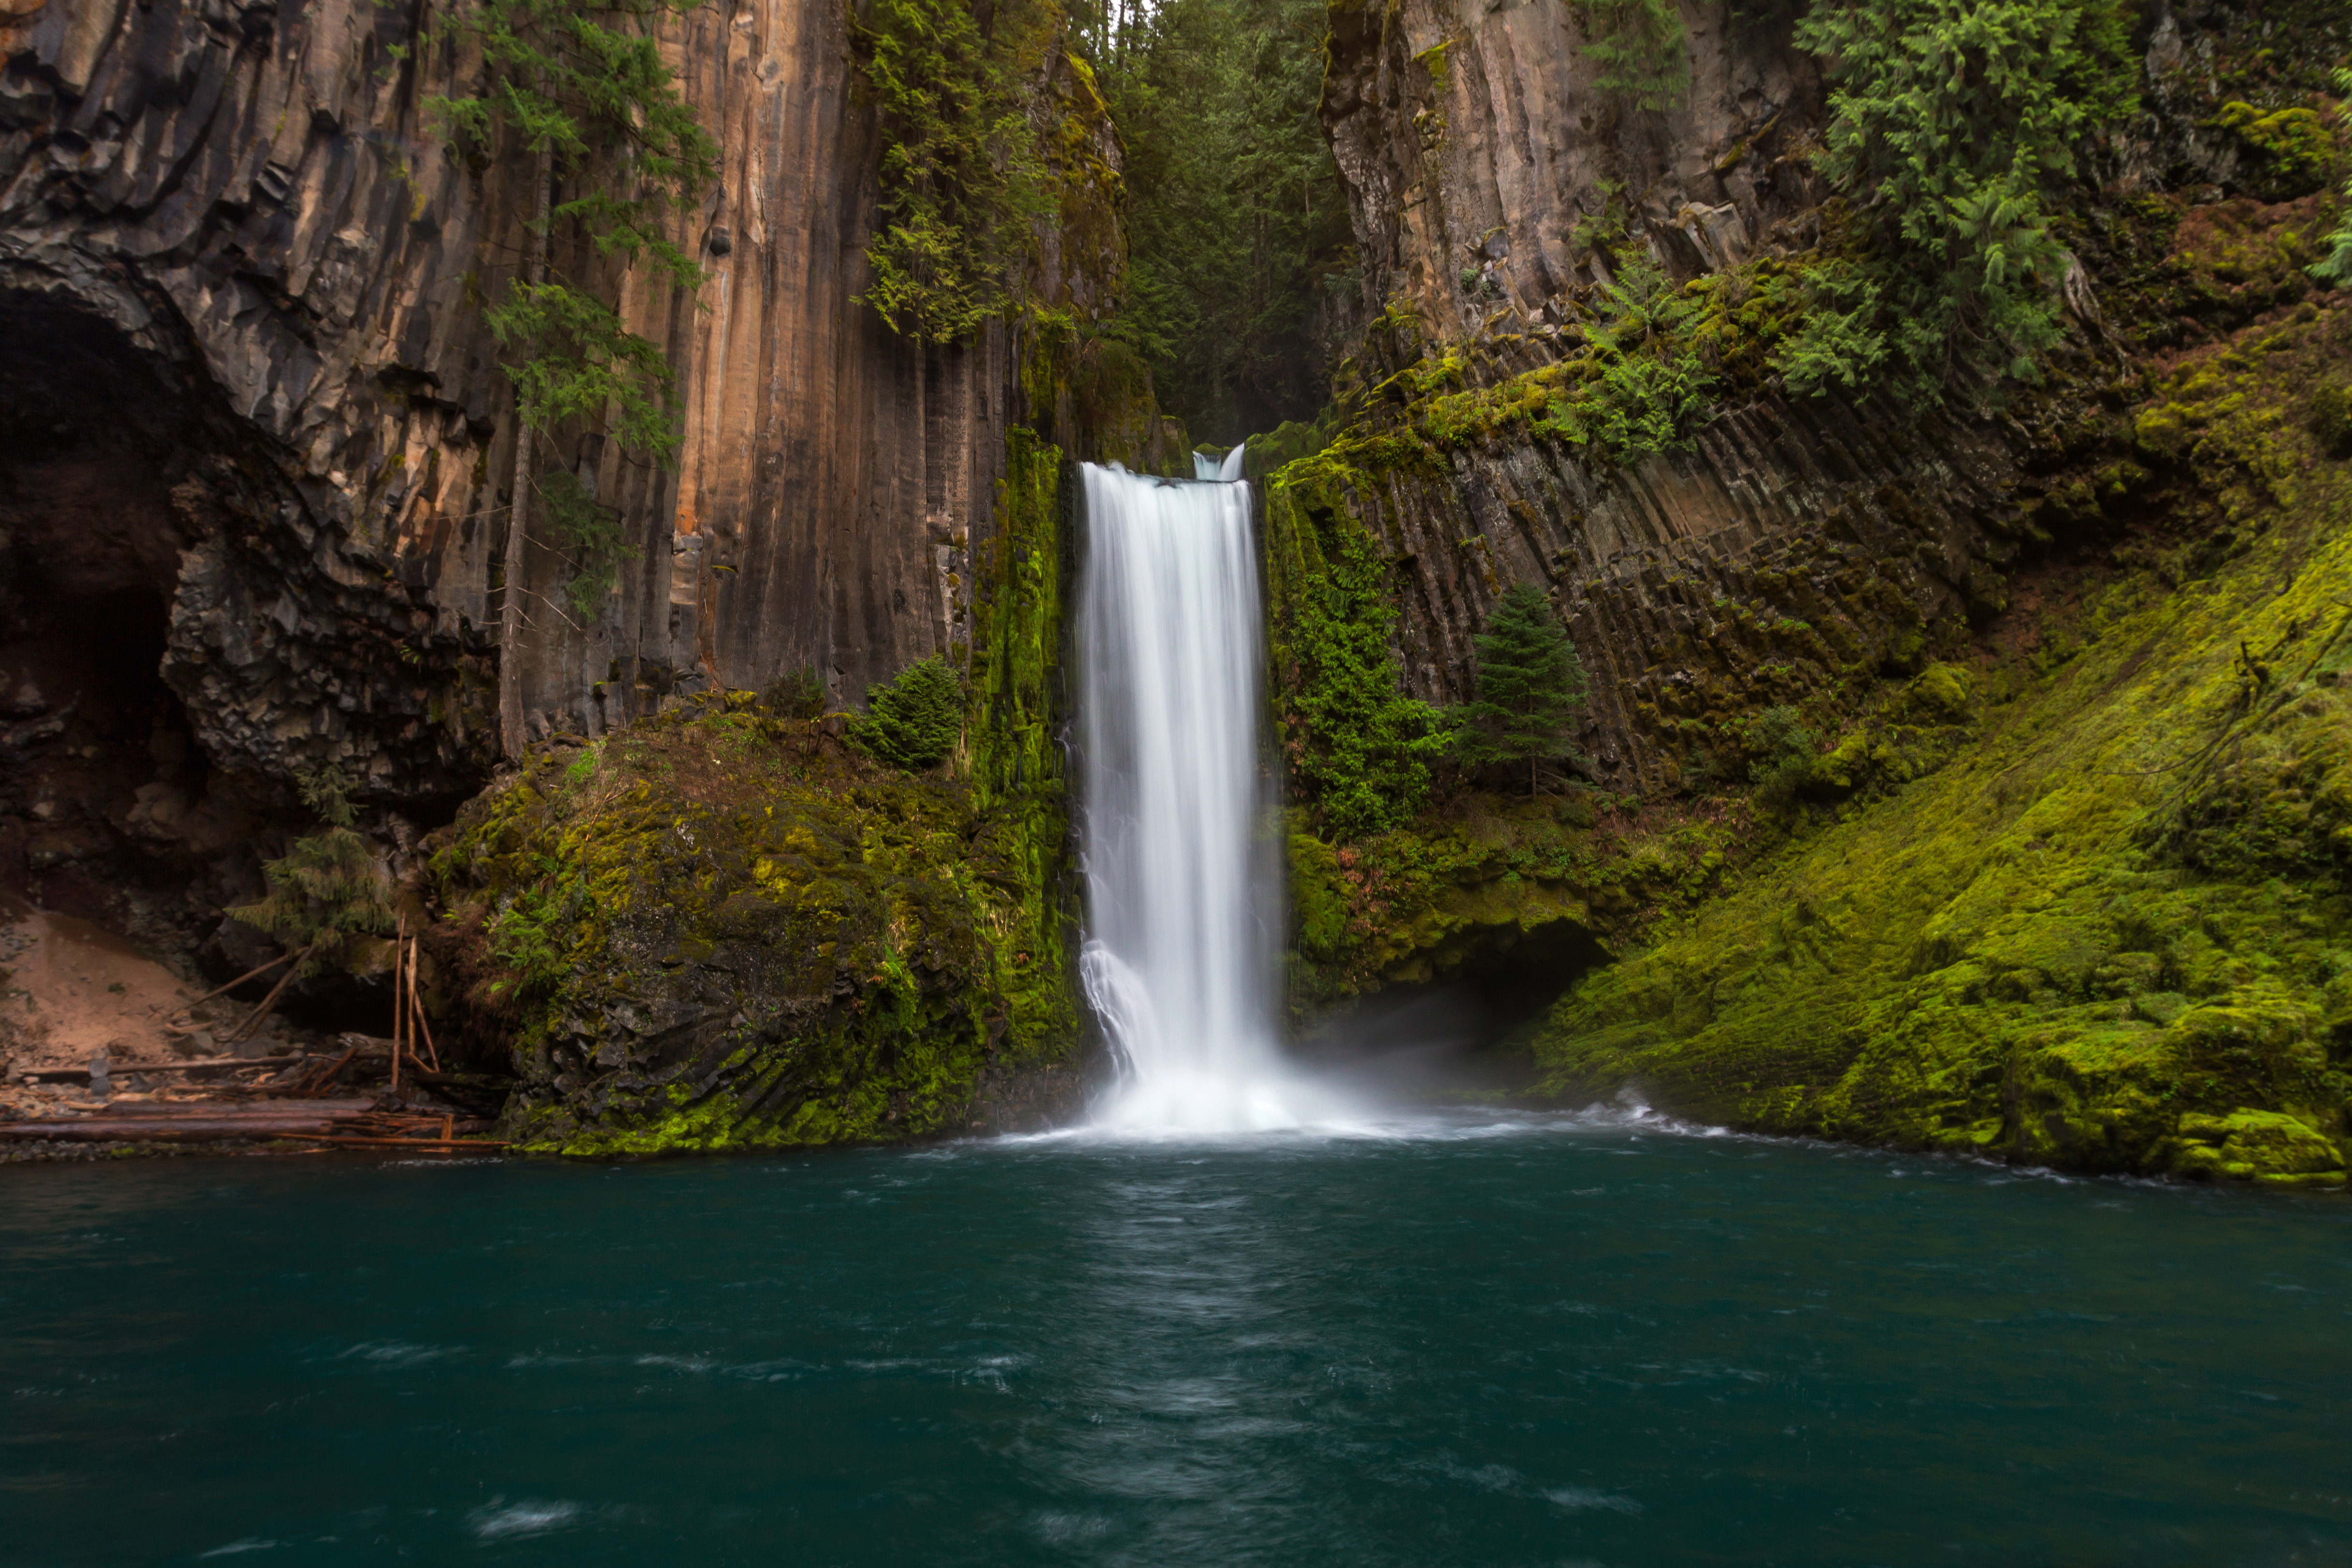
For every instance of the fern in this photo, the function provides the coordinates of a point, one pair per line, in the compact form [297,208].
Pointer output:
[2336,266]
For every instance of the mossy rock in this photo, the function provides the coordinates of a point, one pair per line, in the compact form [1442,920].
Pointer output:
[2256,1145]
[721,928]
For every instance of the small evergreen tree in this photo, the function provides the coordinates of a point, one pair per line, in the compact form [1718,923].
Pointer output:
[328,890]
[1530,687]
[2336,266]
[916,718]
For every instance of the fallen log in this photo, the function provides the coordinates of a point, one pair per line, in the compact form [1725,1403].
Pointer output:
[397,1143]
[120,1068]
[143,1129]
[214,1110]
[198,1122]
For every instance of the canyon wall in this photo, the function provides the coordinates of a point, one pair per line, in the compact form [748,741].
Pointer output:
[248,378]
[1484,158]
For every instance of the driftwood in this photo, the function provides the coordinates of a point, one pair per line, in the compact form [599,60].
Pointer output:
[269,1001]
[416,1009]
[318,1085]
[223,990]
[434,1145]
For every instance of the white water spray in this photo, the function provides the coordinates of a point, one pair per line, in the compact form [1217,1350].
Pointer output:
[1183,895]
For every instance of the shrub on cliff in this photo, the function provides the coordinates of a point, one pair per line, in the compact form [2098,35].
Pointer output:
[327,893]
[1530,687]
[1950,121]
[1781,755]
[1651,390]
[1358,746]
[916,720]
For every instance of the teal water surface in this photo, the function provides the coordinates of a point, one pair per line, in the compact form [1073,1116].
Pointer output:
[1466,1341]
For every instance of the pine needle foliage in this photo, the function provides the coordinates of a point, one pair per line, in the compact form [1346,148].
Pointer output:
[1639,47]
[2336,266]
[962,176]
[583,82]
[1951,124]
[328,891]
[916,720]
[1530,687]
[590,532]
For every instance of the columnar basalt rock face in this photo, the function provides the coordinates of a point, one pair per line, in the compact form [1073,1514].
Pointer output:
[248,212]
[1483,157]
[1476,141]
[1785,545]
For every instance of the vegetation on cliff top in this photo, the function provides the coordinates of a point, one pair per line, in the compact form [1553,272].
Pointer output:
[1950,123]
[963,175]
[1237,225]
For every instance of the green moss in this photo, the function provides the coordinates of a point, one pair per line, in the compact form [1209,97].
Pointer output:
[2090,898]
[2293,153]
[1017,764]
[1466,884]
[1358,750]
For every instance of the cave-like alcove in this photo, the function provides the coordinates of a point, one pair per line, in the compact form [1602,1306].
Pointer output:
[106,807]
[1469,1025]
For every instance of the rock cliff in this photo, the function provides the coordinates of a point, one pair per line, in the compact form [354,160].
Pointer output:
[243,280]
[256,436]
[2005,891]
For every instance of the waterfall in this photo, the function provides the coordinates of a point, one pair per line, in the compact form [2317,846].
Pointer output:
[1184,891]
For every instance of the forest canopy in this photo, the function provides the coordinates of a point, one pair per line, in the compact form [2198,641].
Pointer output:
[1237,227]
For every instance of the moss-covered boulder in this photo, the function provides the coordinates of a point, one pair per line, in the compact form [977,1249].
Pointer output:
[720,929]
[2258,1146]
[730,927]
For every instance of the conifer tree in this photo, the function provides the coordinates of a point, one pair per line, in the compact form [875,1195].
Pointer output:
[328,890]
[1530,687]
[916,718]
[579,86]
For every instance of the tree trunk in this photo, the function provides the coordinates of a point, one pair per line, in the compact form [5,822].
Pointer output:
[510,727]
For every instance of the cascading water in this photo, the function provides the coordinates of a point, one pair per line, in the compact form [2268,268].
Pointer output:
[1182,894]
